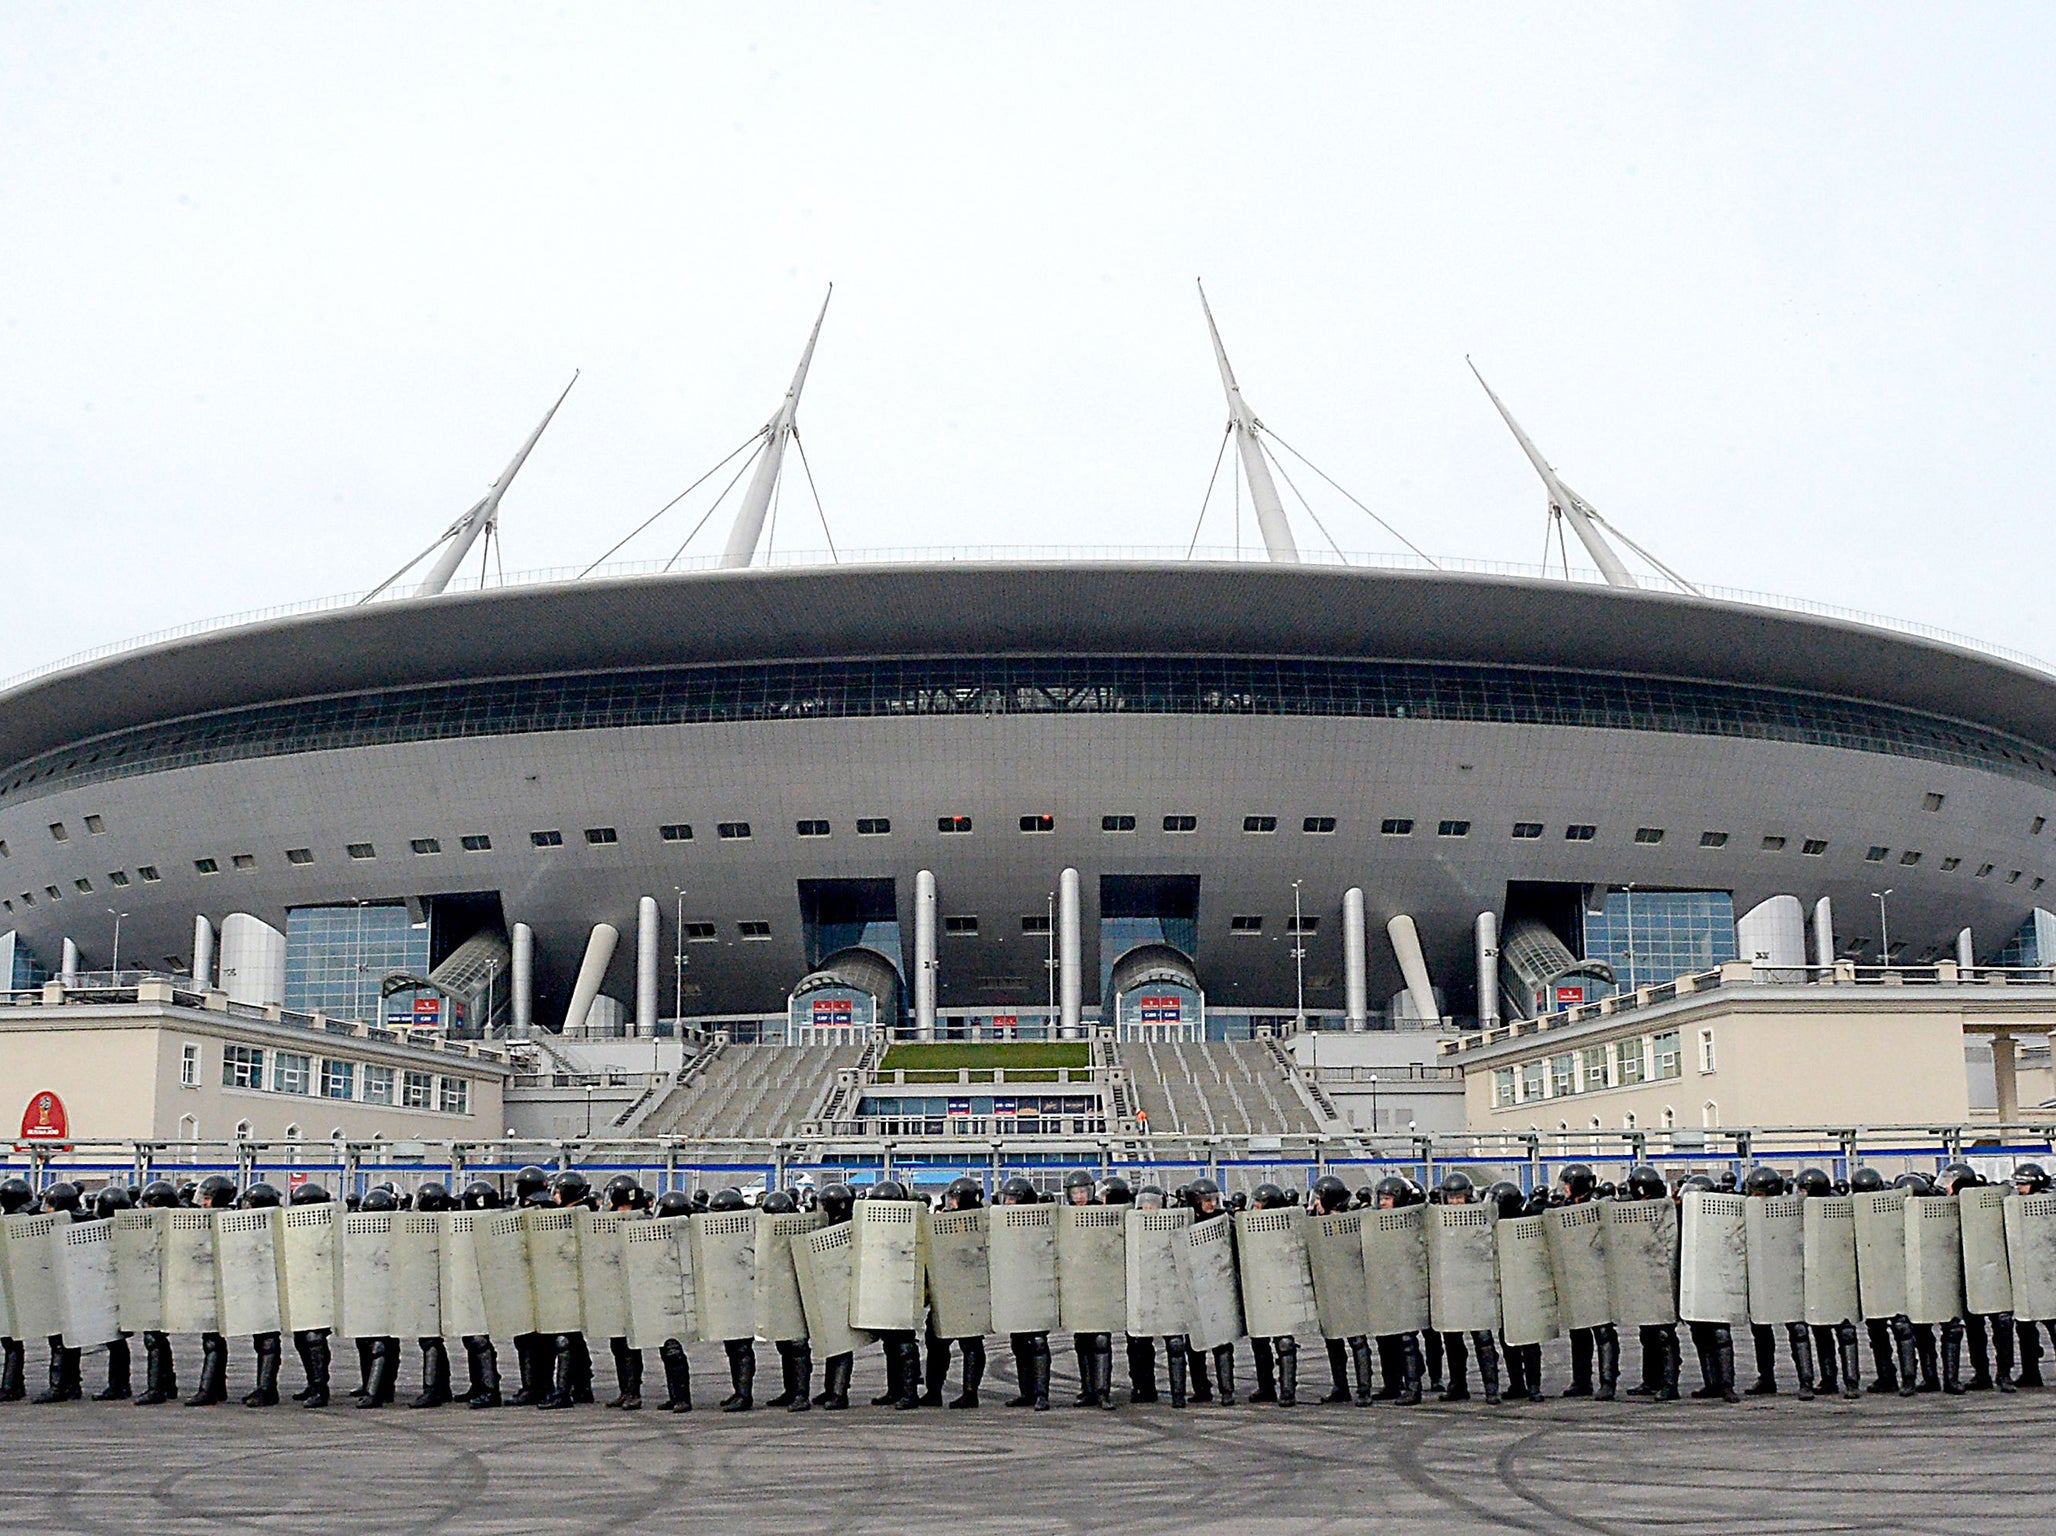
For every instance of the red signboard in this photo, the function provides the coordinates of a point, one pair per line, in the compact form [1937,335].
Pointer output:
[832,1011]
[45,1119]
[1569,996]
[1162,1010]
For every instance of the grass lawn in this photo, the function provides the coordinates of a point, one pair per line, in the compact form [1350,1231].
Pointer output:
[1012,1055]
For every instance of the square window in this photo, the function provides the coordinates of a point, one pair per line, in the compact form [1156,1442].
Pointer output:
[600,837]
[954,824]
[1648,834]
[1453,829]
[290,1072]
[1396,826]
[1527,831]
[117,878]
[57,831]
[1580,832]
[207,866]
[1038,823]
[1302,924]
[676,832]
[299,855]
[965,924]
[1117,823]
[454,1096]
[1713,839]
[1035,922]
[1949,864]
[475,842]
[378,1085]
[1984,870]
[546,839]
[1773,844]
[1877,854]
[1246,924]
[338,1079]
[2013,878]
[1181,823]
[874,826]
[753,928]
[415,1090]
[149,873]
[426,845]
[2034,829]
[1318,826]
[1814,847]
[242,1066]
[1909,857]
[83,886]
[95,826]
[244,860]
[53,893]
[1931,801]
[361,851]
[700,933]
[1259,823]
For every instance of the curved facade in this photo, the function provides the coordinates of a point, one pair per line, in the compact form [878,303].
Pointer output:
[774,755]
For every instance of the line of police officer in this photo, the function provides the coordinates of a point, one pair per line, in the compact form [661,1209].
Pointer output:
[555,1370]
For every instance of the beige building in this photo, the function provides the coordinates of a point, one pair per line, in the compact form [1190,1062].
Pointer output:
[179,1066]
[1756,1048]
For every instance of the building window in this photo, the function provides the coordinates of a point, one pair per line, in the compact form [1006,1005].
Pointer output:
[53,893]
[207,866]
[1181,823]
[1318,826]
[456,1096]
[1628,1121]
[753,928]
[1628,1061]
[1951,864]
[1909,857]
[600,837]
[1705,1050]
[1931,801]
[1713,839]
[1592,1064]
[117,879]
[149,874]
[1984,870]
[1038,823]
[965,924]
[338,1079]
[1245,923]
[676,832]
[1534,1080]
[1527,831]
[1303,924]
[1117,823]
[242,1066]
[953,824]
[810,829]
[2013,878]
[416,1089]
[425,845]
[57,831]
[1035,922]
[1709,1114]
[1502,1088]
[1814,847]
[378,1085]
[242,1130]
[83,886]
[475,842]
[1648,834]
[700,933]
[874,826]
[1453,829]
[290,1071]
[299,855]
[1580,832]
[1667,1053]
[551,839]
[1259,823]
[188,1128]
[1670,1118]
[1773,844]
[189,1065]
[1877,854]
[361,851]
[1396,826]
[95,826]
[1562,1076]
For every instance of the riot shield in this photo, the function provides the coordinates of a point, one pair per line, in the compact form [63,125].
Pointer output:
[1527,1282]
[886,1264]
[959,1275]
[1160,1301]
[1641,1261]
[656,1263]
[1335,1252]
[1023,1244]
[192,1303]
[501,1241]
[724,1261]
[417,1275]
[246,1259]
[86,1285]
[1396,1270]
[781,1315]
[1092,1268]
[2031,1255]
[1774,1232]
[1713,1263]
[1463,1274]
[139,1269]
[821,1259]
[6,1294]
[1934,1259]
[31,1257]
[1987,1279]
[553,1268]
[1828,1229]
[602,1290]
[1880,1251]
[310,1264]
[1577,1263]
[463,1310]
[1209,1260]
[1277,1276]
[367,1310]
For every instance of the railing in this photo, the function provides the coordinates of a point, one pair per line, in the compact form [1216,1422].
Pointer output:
[933,554]
[1404,1072]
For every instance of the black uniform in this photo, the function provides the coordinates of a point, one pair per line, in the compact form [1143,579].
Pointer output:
[1598,1347]
[62,1201]
[1834,1346]
[962,1195]
[311,1344]
[1031,1350]
[1457,1189]
[216,1192]
[835,1202]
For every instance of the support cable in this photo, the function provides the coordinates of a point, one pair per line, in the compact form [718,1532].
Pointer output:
[716,507]
[1280,468]
[755,437]
[1211,481]
[1310,464]
[833,557]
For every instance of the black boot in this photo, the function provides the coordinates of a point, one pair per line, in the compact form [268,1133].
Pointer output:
[1023,1346]
[1886,1374]
[677,1378]
[1338,1373]
[785,1384]
[1924,1348]
[973,1351]
[1488,1366]
[12,1357]
[117,1388]
[1606,1352]
[1766,1345]
[1042,1365]
[1532,1360]
[895,1364]
[1952,1359]
[1909,1364]
[1411,1370]
[1724,1358]
[628,1376]
[1088,1371]
[300,1338]
[562,1372]
[528,1379]
[1360,1357]
[742,1375]
[1175,1369]
[435,1375]
[367,1360]
[1673,1357]
[1142,1371]
[385,1374]
[482,1367]
[64,1374]
[2002,1351]
[934,1372]
[1709,1368]
[213,1386]
[270,1351]
[909,1348]
[1852,1363]
[1431,1351]
[1224,1368]
[1287,1349]
[157,1366]
[1195,1361]
[1456,1359]
[1105,1345]
[1266,1371]
[1582,1349]
[835,1383]
[802,1358]
[315,1357]
[1516,1373]
[1801,1339]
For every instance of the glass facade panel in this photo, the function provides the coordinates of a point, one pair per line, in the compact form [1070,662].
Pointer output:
[416,1090]
[242,1066]
[1650,937]
[1532,1080]
[1595,1068]
[289,1072]
[378,1085]
[1629,1060]
[1669,1056]
[338,1079]
[454,1097]
[1562,1076]
[1502,1087]
[337,956]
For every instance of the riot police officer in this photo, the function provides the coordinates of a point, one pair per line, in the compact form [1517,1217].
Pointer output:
[795,1356]
[1834,1346]
[1660,1354]
[742,1353]
[1713,1342]
[1204,1197]
[108,1199]
[1891,1339]
[15,1198]
[534,1356]
[836,1202]
[433,1198]
[2030,1179]
[62,1200]
[216,1192]
[1142,1379]
[901,1346]
[964,1194]
[160,1375]
[1401,1366]
[1762,1183]
[1277,1359]
[1456,1188]
[671,1353]
[1330,1198]
[1031,1350]
[1598,1346]
[1094,1352]
[311,1344]
[1918,1186]
[623,1196]
[1991,1335]
[268,1346]
[571,1359]
[481,1359]
[378,1359]
[1523,1361]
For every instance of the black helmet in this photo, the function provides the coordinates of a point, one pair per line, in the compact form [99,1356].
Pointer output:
[779,1203]
[1151,1197]
[1539,1200]
[1456,1187]
[380,1198]
[109,1198]
[1507,1197]
[1393,1188]
[1078,1187]
[1330,1194]
[309,1193]
[674,1202]
[217,1192]
[260,1197]
[621,1193]
[15,1195]
[159,1195]
[836,1203]
[1645,1183]
[1269,1197]
[1700,1182]
[1017,1191]
[965,1194]
[479,1195]
[570,1187]
[434,1196]
[1199,1192]
[1813,1182]
[1957,1177]
[62,1196]
[1114,1190]
[1914,1183]
[727,1200]
[1726,1182]
[888,1189]
[1239,1201]
[1866,1181]
[1763,1180]
[1578,1181]
[2032,1177]
[529,1182]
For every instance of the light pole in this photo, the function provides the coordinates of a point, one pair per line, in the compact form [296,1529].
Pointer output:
[1884,928]
[1049,1029]
[1631,935]
[117,916]
[1298,963]
[678,965]
[485,1024]
[1374,1103]
[588,1111]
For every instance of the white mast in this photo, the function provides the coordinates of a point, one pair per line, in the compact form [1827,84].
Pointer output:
[1563,501]
[749,521]
[1270,511]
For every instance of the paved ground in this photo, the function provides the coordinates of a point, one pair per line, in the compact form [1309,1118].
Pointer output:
[1930,1465]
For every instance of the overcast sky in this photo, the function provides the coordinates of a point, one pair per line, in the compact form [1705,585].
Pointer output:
[283,288]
